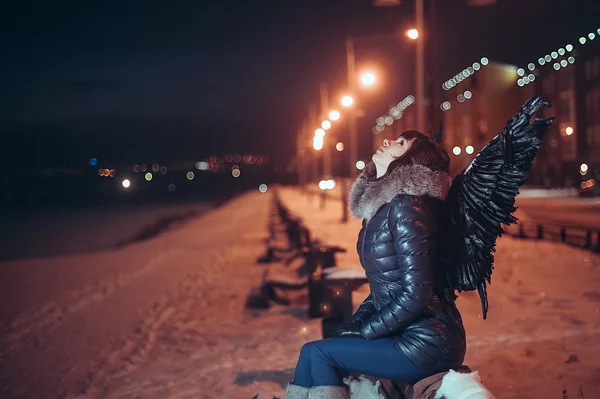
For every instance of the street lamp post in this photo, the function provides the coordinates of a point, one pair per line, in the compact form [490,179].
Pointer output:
[420,66]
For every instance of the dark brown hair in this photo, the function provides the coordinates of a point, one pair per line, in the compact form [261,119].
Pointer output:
[422,151]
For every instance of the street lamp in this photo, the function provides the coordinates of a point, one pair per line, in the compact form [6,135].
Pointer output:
[334,115]
[367,78]
[412,34]
[347,101]
[326,125]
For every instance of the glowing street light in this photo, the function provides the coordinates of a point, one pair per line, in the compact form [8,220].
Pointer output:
[569,131]
[326,125]
[318,143]
[347,101]
[334,115]
[126,183]
[320,133]
[368,78]
[412,34]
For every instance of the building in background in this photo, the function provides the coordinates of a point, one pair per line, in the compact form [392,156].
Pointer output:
[569,78]
[478,102]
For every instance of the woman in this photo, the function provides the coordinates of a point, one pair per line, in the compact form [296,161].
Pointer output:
[408,328]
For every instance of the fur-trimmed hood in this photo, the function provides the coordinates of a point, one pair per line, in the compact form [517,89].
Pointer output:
[368,194]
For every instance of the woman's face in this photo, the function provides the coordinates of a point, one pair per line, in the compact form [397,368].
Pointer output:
[389,151]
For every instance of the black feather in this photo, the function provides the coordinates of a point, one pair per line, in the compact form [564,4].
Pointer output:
[482,199]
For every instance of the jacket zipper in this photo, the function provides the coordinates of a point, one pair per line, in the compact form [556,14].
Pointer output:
[362,247]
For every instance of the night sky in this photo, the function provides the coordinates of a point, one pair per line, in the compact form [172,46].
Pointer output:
[126,79]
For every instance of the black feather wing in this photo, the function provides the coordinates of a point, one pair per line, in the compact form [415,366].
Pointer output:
[482,199]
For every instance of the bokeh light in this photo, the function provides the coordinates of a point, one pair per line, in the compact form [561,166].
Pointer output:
[262,188]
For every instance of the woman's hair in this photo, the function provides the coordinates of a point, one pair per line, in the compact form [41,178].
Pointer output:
[422,151]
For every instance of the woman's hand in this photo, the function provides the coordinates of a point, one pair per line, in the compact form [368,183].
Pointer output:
[350,328]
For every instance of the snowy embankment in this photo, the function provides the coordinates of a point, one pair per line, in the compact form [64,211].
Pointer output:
[166,318]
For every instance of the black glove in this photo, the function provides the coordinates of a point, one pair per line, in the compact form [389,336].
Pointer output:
[350,328]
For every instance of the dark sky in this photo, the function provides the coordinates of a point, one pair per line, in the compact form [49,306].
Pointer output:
[129,79]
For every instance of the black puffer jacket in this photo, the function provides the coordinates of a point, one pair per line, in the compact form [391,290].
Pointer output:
[397,248]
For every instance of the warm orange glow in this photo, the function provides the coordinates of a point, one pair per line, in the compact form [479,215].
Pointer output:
[569,131]
[339,146]
[367,78]
[412,34]
[326,125]
[334,115]
[347,101]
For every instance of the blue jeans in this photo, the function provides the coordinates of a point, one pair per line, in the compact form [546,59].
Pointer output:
[325,362]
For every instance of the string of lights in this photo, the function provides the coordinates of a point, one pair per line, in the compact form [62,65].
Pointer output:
[561,58]
[394,114]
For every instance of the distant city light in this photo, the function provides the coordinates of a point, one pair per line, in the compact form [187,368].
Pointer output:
[468,94]
[126,183]
[583,169]
[531,66]
[318,143]
[339,146]
[367,78]
[456,150]
[262,188]
[469,149]
[327,184]
[360,165]
[319,133]
[347,101]
[235,173]
[412,34]
[163,170]
[520,71]
[334,115]
[148,176]
[190,175]
[136,168]
[203,165]
[93,161]
[569,131]
[326,125]
[484,61]
[172,187]
[155,168]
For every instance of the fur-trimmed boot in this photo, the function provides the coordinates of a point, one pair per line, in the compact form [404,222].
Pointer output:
[296,392]
[329,392]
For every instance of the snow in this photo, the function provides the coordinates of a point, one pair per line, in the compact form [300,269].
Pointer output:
[165,317]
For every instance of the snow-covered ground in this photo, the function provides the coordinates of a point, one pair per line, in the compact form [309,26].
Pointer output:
[165,317]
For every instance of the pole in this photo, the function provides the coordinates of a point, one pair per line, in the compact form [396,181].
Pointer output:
[351,64]
[315,164]
[420,68]
[353,141]
[326,150]
[326,141]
